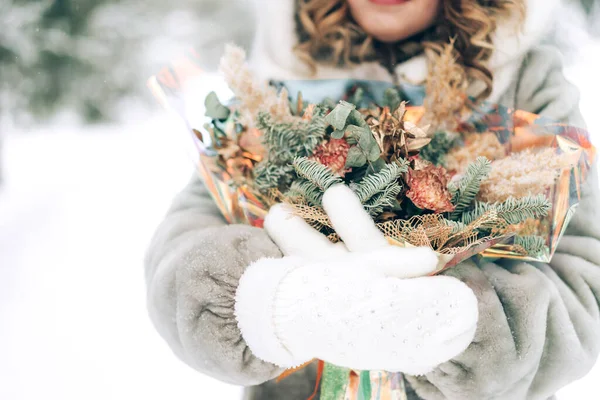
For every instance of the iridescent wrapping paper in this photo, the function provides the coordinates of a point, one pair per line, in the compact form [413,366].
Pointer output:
[515,129]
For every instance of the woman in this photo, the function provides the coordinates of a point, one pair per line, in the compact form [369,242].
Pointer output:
[538,325]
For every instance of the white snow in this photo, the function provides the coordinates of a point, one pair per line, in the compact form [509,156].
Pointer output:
[77,209]
[76,213]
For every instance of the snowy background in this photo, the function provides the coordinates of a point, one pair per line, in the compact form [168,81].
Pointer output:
[78,204]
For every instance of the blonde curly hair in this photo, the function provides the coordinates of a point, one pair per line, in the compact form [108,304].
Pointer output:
[329,35]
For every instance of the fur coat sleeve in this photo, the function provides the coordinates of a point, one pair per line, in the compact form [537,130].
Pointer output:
[193,266]
[539,324]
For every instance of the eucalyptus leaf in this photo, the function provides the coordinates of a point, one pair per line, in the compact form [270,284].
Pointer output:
[356,132]
[329,103]
[214,108]
[339,115]
[356,118]
[376,166]
[373,153]
[352,140]
[356,157]
[338,134]
[369,145]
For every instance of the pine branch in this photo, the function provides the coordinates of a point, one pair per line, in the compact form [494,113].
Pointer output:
[268,176]
[374,184]
[306,190]
[285,141]
[315,172]
[435,152]
[317,125]
[457,226]
[465,191]
[513,211]
[533,245]
[385,199]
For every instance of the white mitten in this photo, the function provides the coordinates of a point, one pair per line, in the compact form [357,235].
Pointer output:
[351,305]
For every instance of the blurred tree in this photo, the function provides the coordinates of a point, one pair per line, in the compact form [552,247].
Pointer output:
[591,13]
[588,5]
[88,56]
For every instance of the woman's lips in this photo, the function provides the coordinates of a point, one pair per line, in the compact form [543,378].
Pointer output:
[388,2]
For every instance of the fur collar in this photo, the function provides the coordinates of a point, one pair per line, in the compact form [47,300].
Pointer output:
[273,57]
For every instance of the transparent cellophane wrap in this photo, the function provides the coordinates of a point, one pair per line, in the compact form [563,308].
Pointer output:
[182,89]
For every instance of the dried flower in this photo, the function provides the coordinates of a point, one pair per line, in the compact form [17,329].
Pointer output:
[333,154]
[445,88]
[429,189]
[240,168]
[253,95]
[308,112]
[396,137]
[475,145]
[250,140]
[418,163]
[228,149]
[522,174]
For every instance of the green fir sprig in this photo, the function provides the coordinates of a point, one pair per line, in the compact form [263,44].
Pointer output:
[306,190]
[316,173]
[464,192]
[375,184]
[533,245]
[441,143]
[268,176]
[376,192]
[382,200]
[457,226]
[513,211]
[286,141]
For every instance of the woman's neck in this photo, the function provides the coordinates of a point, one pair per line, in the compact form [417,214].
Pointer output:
[389,55]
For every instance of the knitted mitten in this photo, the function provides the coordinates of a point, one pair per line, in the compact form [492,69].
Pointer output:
[352,305]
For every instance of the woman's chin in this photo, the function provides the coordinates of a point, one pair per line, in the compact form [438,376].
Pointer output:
[389,36]
[393,20]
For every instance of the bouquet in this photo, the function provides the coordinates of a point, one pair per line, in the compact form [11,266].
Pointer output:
[485,181]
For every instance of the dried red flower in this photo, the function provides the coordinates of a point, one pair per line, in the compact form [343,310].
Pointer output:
[429,189]
[418,163]
[333,154]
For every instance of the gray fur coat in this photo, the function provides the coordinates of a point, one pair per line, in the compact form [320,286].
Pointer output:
[539,324]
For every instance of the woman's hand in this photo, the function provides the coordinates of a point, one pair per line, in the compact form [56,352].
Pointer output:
[359,235]
[351,304]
